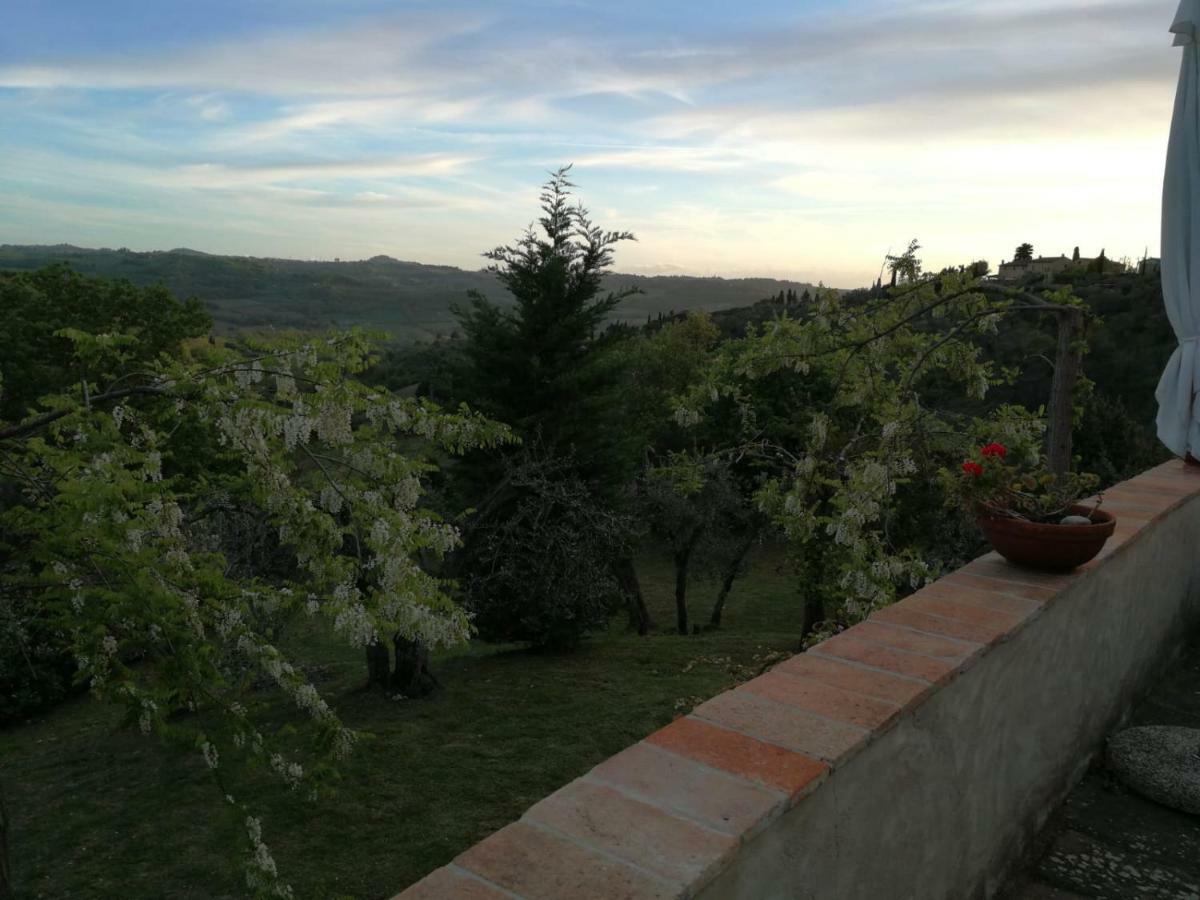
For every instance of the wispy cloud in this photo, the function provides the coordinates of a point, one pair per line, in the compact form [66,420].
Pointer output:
[673,158]
[799,138]
[361,58]
[217,175]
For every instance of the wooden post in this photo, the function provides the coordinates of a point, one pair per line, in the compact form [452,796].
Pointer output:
[1061,408]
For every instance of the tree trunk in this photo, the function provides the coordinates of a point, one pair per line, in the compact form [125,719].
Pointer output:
[681,574]
[683,558]
[6,891]
[814,602]
[413,677]
[728,577]
[814,613]
[1061,408]
[378,665]
[627,582]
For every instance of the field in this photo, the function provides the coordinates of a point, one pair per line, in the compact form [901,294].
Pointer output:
[101,812]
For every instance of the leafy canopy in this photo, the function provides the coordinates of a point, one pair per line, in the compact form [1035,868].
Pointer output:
[848,413]
[36,358]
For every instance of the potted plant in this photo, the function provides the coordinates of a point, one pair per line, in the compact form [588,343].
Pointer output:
[1030,516]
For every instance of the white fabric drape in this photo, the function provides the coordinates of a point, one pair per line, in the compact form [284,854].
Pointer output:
[1178,391]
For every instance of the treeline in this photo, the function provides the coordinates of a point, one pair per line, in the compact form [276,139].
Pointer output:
[1129,339]
[412,301]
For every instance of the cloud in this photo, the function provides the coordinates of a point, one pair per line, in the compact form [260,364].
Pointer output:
[672,158]
[418,56]
[371,57]
[218,175]
[209,107]
[728,142]
[373,113]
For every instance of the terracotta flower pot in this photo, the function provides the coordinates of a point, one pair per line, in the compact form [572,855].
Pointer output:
[1053,548]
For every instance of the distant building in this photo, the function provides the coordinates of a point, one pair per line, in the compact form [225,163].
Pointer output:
[1049,266]
[1017,270]
[1150,266]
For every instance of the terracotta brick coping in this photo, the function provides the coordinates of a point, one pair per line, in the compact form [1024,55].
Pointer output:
[664,817]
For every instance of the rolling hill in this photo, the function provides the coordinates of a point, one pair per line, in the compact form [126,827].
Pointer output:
[412,301]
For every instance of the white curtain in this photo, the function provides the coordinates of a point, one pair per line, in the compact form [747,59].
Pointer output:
[1179,389]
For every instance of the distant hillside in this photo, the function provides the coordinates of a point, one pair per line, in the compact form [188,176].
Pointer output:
[409,300]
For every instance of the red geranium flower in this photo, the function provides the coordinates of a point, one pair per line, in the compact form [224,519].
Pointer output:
[999,451]
[973,469]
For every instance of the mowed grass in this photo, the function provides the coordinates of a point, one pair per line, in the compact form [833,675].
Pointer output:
[99,811]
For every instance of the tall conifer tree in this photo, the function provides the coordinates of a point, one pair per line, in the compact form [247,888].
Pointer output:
[542,365]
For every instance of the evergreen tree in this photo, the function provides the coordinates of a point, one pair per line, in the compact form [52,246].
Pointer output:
[905,268]
[1023,253]
[1075,256]
[542,365]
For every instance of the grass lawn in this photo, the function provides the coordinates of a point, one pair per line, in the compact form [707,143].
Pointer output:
[99,811]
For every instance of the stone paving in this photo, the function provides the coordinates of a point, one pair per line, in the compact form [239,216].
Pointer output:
[1110,843]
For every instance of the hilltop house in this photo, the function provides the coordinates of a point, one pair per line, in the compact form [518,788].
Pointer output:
[1049,266]
[1017,270]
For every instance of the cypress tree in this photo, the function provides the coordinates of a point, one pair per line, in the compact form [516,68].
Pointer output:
[541,365]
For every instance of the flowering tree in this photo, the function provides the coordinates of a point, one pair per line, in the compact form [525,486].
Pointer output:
[109,543]
[851,411]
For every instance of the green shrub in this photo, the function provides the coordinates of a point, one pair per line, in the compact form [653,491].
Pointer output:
[35,669]
[539,571]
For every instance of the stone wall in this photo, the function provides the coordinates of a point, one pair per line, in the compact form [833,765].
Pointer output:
[913,755]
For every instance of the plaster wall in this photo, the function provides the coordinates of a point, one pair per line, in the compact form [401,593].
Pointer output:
[941,804]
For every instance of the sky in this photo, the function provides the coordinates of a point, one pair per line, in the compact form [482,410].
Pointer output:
[802,139]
